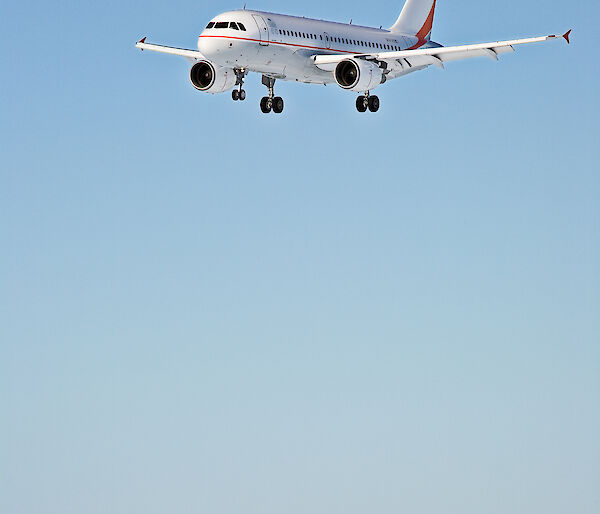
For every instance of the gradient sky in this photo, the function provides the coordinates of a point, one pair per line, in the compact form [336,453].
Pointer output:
[208,310]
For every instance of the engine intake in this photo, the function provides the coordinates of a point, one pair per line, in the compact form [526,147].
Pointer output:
[210,78]
[358,75]
[202,76]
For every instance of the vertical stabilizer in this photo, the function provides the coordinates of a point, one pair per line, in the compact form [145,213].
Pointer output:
[416,19]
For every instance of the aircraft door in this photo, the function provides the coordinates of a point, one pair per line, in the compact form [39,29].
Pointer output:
[327,40]
[263,30]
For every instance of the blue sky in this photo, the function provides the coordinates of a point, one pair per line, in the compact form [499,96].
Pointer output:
[205,309]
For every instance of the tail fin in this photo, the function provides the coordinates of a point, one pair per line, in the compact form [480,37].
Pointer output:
[416,19]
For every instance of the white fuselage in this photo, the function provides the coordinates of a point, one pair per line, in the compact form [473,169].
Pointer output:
[282,46]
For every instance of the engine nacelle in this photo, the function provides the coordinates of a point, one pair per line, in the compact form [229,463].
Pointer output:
[358,75]
[211,78]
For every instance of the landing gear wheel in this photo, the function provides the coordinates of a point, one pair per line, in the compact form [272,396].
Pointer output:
[266,105]
[277,105]
[242,95]
[235,94]
[373,103]
[362,104]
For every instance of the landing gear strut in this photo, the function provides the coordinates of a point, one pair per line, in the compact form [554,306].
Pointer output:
[271,102]
[239,94]
[367,101]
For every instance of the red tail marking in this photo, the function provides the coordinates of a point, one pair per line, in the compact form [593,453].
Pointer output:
[428,26]
[567,36]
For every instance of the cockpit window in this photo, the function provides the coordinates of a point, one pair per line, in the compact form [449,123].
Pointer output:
[226,25]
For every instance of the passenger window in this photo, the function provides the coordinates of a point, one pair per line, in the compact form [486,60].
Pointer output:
[210,25]
[241,26]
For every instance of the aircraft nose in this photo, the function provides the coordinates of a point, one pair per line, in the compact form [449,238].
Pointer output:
[208,46]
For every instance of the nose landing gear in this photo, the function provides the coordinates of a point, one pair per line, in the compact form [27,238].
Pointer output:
[271,102]
[239,94]
[367,102]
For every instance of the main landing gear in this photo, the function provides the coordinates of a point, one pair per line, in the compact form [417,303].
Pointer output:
[271,102]
[367,101]
[239,94]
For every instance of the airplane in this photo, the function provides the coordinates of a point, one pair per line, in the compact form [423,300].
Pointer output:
[358,59]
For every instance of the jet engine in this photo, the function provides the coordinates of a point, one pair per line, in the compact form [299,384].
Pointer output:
[358,75]
[211,78]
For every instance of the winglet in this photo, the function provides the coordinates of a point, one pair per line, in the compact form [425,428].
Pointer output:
[567,36]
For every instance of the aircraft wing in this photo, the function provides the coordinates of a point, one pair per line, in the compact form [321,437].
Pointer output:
[191,55]
[436,56]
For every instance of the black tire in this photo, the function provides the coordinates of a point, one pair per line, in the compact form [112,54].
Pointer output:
[242,95]
[265,105]
[373,103]
[278,105]
[235,94]
[361,104]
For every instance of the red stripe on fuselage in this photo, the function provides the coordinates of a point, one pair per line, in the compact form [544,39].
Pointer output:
[292,44]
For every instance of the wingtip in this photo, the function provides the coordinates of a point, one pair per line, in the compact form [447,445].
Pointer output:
[567,36]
